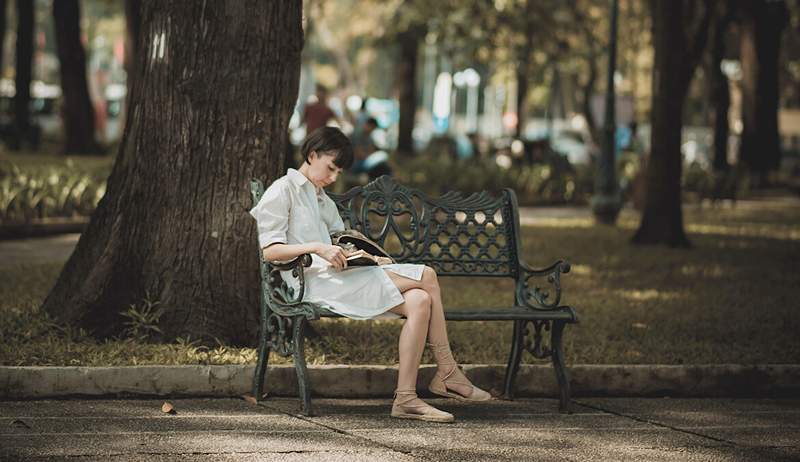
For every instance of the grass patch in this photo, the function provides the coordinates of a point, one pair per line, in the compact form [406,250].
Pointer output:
[731,299]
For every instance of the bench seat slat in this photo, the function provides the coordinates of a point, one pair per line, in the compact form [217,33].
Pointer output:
[562,313]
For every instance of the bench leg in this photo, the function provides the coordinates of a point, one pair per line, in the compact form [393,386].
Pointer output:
[560,368]
[263,358]
[303,385]
[513,359]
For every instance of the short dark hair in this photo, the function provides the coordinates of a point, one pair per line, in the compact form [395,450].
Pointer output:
[326,139]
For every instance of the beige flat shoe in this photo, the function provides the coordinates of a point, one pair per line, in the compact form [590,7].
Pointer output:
[408,406]
[438,386]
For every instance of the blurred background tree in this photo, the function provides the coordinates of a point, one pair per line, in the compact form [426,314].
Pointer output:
[23,131]
[77,113]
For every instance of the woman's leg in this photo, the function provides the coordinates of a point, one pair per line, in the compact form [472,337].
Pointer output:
[417,310]
[437,328]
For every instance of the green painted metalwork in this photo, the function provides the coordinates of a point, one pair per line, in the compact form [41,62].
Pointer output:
[455,234]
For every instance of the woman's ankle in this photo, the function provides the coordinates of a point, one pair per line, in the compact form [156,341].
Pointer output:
[446,370]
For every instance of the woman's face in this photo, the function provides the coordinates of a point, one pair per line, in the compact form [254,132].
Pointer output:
[322,171]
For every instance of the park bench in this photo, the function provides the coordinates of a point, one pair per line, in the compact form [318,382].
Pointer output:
[456,234]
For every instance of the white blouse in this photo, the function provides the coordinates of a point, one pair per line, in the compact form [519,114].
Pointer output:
[292,212]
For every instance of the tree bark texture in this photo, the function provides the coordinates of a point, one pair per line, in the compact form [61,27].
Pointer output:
[762,23]
[214,88]
[78,112]
[677,52]
[407,86]
[23,74]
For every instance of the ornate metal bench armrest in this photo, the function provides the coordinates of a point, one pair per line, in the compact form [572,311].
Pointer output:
[284,298]
[541,298]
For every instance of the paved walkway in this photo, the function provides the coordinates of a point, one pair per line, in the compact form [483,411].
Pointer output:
[353,430]
[37,250]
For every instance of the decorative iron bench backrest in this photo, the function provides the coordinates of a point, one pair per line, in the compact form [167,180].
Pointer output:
[456,234]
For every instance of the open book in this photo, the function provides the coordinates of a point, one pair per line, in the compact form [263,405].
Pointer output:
[361,258]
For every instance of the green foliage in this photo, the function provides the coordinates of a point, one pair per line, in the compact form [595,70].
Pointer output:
[543,183]
[142,320]
[35,191]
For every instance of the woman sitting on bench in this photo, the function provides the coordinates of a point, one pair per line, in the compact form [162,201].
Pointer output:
[296,217]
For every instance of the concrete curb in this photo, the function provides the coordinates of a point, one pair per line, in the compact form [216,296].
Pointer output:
[342,381]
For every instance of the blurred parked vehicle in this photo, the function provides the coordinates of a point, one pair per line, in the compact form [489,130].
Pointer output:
[568,138]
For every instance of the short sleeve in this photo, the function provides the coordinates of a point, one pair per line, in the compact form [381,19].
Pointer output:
[272,215]
[331,216]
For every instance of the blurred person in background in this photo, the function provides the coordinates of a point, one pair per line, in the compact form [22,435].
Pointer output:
[318,114]
[369,157]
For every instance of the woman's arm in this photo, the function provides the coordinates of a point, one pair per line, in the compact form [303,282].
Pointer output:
[283,252]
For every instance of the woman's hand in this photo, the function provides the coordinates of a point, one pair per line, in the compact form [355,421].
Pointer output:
[383,260]
[333,254]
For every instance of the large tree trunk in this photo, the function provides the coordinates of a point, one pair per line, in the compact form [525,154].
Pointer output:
[677,52]
[407,88]
[77,112]
[22,79]
[762,24]
[210,106]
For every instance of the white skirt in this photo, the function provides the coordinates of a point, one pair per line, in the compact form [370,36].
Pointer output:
[364,292]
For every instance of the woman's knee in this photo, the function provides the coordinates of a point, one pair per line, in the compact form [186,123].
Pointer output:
[418,304]
[429,278]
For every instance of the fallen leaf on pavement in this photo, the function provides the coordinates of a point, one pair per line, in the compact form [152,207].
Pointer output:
[167,408]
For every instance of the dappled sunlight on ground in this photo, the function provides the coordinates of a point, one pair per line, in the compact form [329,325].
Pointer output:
[787,232]
[581,270]
[706,271]
[647,295]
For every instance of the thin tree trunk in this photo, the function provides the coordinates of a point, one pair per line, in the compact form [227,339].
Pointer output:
[77,113]
[132,26]
[523,57]
[720,91]
[407,85]
[22,79]
[3,9]
[592,57]
[522,96]
[133,22]
[216,85]
[677,52]
[761,27]
[586,102]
